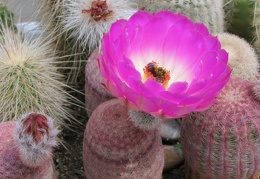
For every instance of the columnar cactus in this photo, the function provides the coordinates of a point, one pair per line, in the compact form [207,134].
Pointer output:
[209,12]
[242,56]
[95,92]
[114,147]
[29,78]
[223,141]
[26,147]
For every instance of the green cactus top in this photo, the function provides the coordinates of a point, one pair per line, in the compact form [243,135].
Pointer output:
[6,18]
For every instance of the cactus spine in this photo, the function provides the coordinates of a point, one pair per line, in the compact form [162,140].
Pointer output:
[29,78]
[242,56]
[209,12]
[114,147]
[223,141]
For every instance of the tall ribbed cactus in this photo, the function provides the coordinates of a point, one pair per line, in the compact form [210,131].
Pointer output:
[223,141]
[256,24]
[209,12]
[114,148]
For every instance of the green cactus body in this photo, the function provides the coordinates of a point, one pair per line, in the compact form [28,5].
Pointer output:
[223,141]
[29,79]
[256,24]
[6,18]
[242,20]
[209,12]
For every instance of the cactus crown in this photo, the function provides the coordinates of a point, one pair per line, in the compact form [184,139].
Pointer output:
[36,136]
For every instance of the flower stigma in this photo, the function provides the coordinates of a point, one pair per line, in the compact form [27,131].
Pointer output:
[99,10]
[155,72]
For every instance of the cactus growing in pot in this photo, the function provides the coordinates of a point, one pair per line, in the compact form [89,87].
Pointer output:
[27,146]
[223,141]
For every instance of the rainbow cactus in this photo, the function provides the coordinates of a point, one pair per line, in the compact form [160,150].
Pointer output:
[95,92]
[223,141]
[114,147]
[26,147]
[209,12]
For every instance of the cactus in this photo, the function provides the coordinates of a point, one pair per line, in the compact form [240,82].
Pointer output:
[256,24]
[95,92]
[79,32]
[242,56]
[209,12]
[27,147]
[6,19]
[29,79]
[223,141]
[114,147]
[256,89]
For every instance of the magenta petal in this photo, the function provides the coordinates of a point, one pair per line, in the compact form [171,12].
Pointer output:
[178,87]
[126,69]
[197,64]
[154,86]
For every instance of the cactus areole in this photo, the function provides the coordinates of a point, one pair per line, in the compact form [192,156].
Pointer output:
[36,125]
[99,10]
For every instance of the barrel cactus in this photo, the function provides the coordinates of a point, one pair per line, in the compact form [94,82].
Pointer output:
[26,149]
[114,147]
[208,12]
[223,141]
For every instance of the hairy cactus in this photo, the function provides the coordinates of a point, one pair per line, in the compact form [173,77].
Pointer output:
[79,26]
[242,56]
[114,147]
[223,141]
[29,79]
[209,12]
[26,147]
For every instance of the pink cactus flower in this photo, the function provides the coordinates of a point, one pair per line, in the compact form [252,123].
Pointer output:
[163,64]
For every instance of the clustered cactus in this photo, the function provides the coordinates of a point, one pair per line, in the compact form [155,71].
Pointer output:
[220,142]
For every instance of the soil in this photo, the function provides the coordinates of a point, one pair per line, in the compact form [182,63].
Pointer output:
[68,156]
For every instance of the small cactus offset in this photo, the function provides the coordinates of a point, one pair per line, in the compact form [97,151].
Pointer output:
[114,148]
[27,147]
[209,12]
[29,79]
[223,141]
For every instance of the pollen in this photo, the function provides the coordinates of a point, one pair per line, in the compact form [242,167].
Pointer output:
[155,72]
[99,10]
